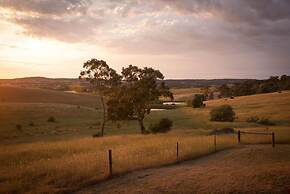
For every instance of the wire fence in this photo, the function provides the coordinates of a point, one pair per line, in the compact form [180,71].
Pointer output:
[178,153]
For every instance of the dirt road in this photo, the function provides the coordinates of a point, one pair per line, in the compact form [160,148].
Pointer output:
[246,169]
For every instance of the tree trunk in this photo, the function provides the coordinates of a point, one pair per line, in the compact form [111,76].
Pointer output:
[141,125]
[104,115]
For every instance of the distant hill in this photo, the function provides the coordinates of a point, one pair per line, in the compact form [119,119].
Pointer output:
[66,84]
[31,95]
[63,84]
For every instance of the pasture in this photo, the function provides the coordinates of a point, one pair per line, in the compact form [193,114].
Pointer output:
[61,156]
[79,115]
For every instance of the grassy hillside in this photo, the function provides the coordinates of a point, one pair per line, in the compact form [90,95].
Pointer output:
[74,160]
[26,95]
[76,115]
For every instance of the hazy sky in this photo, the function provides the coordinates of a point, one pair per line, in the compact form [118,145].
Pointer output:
[182,38]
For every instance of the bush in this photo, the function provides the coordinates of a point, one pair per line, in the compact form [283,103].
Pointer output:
[253,119]
[222,131]
[163,126]
[222,113]
[51,119]
[262,121]
[265,121]
[197,101]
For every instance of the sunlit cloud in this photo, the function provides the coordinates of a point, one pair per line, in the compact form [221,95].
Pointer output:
[200,34]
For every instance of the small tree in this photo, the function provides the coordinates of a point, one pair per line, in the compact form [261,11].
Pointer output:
[140,89]
[104,81]
[197,101]
[222,113]
[225,90]
[163,126]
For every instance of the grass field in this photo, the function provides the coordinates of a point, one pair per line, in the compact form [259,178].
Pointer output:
[78,115]
[62,156]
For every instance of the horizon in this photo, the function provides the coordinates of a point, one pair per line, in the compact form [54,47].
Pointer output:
[166,79]
[183,39]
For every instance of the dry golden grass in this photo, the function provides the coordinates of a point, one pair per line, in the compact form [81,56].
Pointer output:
[64,166]
[185,93]
[70,165]
[275,106]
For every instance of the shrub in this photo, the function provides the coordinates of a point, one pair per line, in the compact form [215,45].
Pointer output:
[197,101]
[222,113]
[163,126]
[18,127]
[262,121]
[265,121]
[51,119]
[222,131]
[253,119]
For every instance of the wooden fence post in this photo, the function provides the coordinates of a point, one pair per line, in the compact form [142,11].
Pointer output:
[177,151]
[110,163]
[215,142]
[273,139]
[239,136]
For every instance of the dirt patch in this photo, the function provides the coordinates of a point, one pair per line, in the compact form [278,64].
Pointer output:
[246,169]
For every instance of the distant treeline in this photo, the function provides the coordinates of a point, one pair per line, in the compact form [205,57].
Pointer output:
[65,84]
[199,83]
[250,87]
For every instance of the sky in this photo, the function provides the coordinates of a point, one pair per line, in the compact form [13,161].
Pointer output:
[189,39]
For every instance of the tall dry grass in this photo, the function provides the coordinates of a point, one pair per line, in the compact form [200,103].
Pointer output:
[57,167]
[65,166]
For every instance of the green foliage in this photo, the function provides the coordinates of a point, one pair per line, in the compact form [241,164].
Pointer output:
[250,87]
[134,98]
[100,75]
[51,119]
[197,101]
[163,126]
[222,113]
[130,100]
[104,80]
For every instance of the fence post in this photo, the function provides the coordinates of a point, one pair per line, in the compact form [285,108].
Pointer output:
[110,163]
[177,151]
[215,142]
[239,136]
[273,139]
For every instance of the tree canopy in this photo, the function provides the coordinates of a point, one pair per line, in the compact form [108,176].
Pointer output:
[104,81]
[129,95]
[139,90]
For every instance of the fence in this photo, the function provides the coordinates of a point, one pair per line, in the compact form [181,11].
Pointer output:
[257,133]
[178,158]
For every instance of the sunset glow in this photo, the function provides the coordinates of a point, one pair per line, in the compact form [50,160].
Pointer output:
[203,39]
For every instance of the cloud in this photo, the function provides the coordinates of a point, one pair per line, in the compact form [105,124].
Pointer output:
[68,30]
[49,7]
[159,26]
